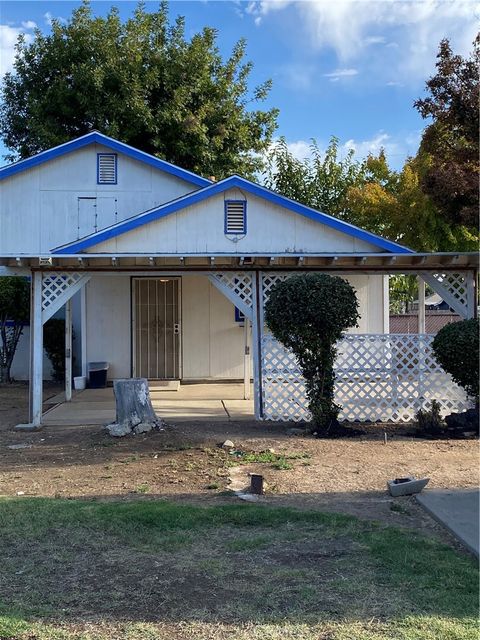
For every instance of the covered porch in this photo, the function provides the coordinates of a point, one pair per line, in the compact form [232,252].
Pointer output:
[380,377]
[192,403]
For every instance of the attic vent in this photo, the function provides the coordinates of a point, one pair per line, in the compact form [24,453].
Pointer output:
[235,217]
[106,168]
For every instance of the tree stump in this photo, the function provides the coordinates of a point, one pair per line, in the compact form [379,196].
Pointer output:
[135,413]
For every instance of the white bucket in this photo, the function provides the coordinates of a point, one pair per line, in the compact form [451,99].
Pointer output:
[80,383]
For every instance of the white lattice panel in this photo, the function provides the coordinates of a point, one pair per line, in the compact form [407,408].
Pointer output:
[378,378]
[240,283]
[455,284]
[55,284]
[269,279]
[457,289]
[283,387]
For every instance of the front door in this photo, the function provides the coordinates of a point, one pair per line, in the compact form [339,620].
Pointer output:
[156,328]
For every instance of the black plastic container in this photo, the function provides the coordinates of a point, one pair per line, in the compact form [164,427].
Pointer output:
[97,375]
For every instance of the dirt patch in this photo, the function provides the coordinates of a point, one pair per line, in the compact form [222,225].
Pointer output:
[309,553]
[14,402]
[185,463]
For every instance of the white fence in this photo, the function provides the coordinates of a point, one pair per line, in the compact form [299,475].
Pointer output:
[384,377]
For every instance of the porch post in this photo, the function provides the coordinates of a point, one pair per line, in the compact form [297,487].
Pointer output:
[386,304]
[421,305]
[246,361]
[36,351]
[83,327]
[257,345]
[471,282]
[68,350]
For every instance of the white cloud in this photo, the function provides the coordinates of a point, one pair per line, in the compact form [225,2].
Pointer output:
[373,146]
[49,18]
[300,149]
[416,26]
[375,40]
[340,73]
[8,39]
[29,24]
[254,10]
[397,148]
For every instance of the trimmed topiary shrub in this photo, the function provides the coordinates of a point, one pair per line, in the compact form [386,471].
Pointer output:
[456,349]
[308,314]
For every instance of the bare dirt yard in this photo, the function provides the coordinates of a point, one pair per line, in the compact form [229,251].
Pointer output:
[184,462]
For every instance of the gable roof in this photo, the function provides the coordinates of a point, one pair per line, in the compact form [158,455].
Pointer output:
[111,143]
[219,187]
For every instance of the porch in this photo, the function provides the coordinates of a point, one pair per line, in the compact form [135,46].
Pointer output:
[380,376]
[192,402]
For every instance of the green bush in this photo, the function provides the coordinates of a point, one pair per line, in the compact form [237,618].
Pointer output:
[456,349]
[429,420]
[308,314]
[54,345]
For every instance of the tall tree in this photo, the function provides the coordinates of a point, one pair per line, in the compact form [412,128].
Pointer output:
[452,138]
[143,82]
[394,205]
[369,194]
[321,182]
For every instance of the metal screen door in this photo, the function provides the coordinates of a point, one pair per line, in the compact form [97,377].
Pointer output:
[156,328]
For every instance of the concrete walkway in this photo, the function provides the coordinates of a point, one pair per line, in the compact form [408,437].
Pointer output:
[457,510]
[219,402]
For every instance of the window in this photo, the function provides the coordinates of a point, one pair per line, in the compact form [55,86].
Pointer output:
[106,168]
[235,217]
[239,316]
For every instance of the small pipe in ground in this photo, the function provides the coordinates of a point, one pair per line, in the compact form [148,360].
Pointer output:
[256,484]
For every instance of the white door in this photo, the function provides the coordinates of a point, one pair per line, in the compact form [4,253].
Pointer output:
[156,328]
[87,216]
[106,212]
[95,214]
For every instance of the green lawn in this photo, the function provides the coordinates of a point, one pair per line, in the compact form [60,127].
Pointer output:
[152,570]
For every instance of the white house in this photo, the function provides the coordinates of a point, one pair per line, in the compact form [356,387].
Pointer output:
[168,271]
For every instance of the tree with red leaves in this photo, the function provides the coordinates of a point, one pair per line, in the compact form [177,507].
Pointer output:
[451,140]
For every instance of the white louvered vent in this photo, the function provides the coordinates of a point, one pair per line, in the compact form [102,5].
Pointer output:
[235,216]
[107,168]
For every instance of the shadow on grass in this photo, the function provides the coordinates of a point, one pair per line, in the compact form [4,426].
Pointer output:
[69,561]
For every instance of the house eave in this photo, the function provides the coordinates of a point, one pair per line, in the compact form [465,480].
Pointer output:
[351,262]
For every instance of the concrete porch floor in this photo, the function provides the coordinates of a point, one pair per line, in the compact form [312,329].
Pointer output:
[219,402]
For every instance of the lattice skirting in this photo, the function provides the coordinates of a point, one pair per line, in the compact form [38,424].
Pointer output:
[378,378]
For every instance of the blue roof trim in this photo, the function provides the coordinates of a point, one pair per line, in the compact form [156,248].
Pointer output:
[220,187]
[111,143]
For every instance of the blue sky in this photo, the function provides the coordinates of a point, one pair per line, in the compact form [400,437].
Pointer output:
[349,68]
